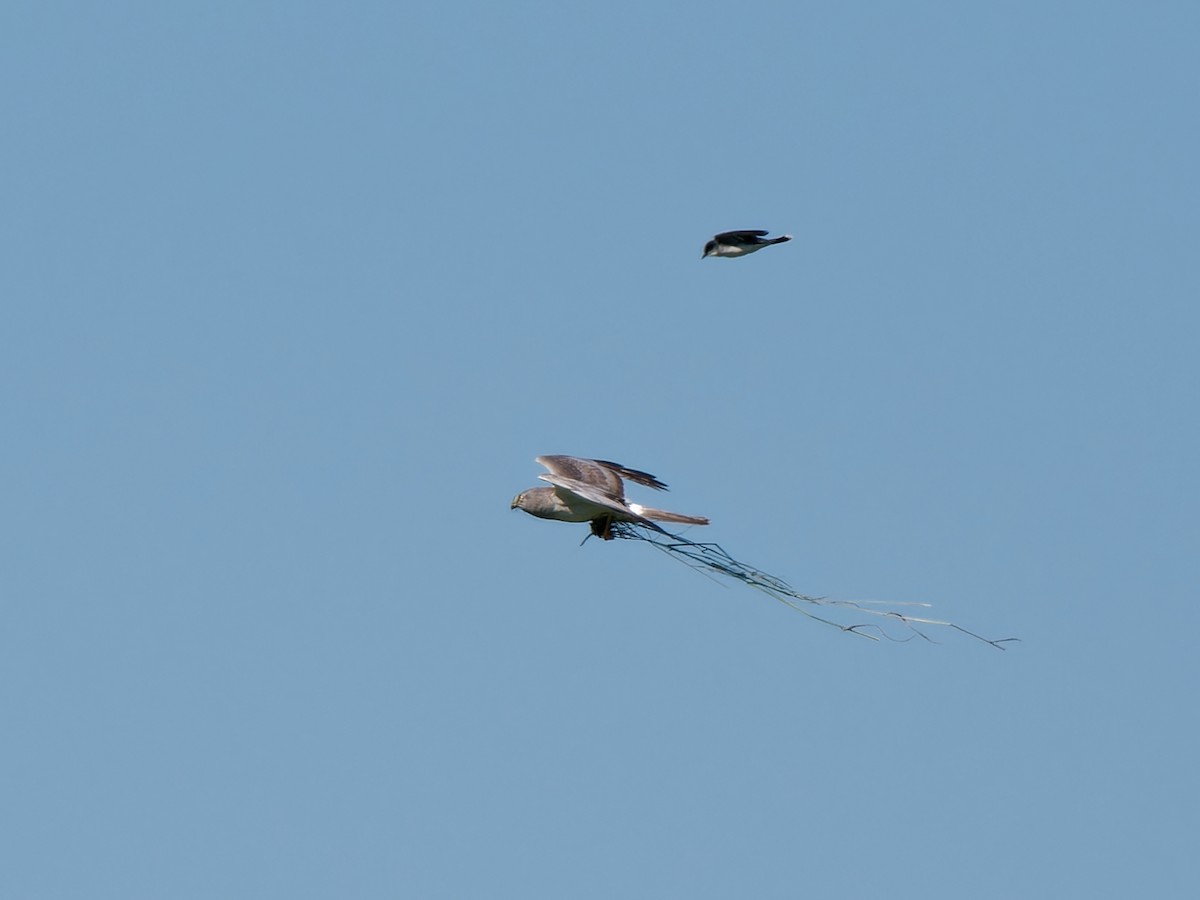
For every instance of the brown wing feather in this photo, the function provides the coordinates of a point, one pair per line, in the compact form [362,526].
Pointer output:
[588,471]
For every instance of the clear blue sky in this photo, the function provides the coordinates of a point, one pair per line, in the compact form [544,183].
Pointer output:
[293,293]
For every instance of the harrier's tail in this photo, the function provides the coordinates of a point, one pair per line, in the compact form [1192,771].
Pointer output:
[661,515]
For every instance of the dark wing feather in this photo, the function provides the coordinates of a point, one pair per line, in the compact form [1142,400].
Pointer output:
[733,237]
[633,474]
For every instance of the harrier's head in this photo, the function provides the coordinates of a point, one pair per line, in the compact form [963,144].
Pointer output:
[518,500]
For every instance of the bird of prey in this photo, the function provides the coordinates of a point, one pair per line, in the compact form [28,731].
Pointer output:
[739,243]
[591,490]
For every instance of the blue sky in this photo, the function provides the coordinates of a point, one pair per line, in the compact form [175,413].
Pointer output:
[295,293]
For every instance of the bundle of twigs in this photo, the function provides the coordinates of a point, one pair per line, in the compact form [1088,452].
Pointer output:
[710,558]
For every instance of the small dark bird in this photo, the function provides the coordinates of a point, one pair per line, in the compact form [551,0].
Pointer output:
[739,243]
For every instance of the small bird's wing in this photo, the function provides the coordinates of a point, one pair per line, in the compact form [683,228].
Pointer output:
[601,477]
[727,237]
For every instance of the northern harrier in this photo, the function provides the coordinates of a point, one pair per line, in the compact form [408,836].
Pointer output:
[739,243]
[591,490]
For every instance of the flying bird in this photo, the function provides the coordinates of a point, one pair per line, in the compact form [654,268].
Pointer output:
[593,490]
[739,243]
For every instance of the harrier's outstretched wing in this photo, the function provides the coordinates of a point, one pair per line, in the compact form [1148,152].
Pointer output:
[591,494]
[599,472]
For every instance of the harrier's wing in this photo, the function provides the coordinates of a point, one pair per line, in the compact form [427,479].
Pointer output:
[585,471]
[586,492]
[589,492]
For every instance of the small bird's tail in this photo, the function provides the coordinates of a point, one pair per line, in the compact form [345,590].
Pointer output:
[782,239]
[661,515]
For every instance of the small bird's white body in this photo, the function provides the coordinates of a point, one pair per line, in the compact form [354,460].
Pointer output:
[730,250]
